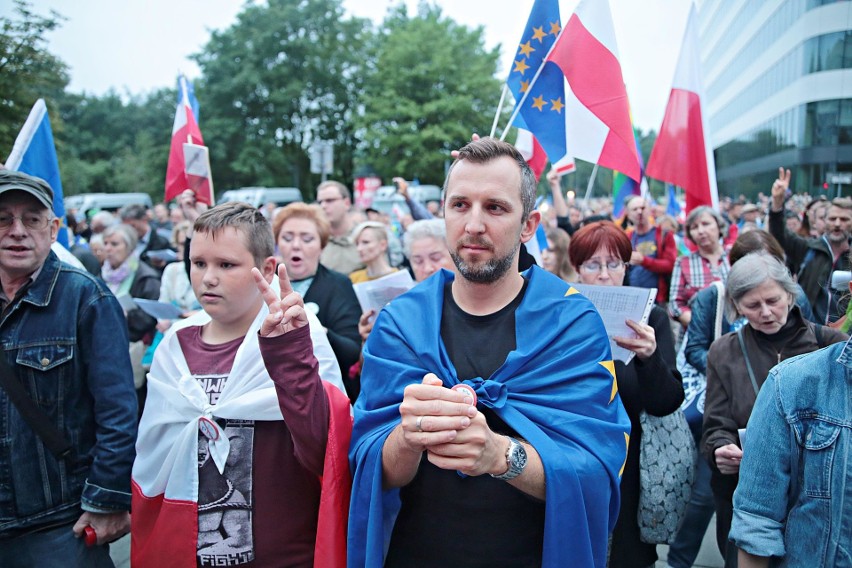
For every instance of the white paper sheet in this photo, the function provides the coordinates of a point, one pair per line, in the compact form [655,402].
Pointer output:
[617,304]
[375,294]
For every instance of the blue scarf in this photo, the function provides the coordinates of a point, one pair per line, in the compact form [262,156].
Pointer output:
[556,389]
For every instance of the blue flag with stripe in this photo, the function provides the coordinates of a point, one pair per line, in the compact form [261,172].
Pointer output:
[34,153]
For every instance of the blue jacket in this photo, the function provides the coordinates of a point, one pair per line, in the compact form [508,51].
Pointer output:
[556,389]
[67,339]
[795,489]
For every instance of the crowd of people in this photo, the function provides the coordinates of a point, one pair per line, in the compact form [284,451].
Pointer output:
[477,420]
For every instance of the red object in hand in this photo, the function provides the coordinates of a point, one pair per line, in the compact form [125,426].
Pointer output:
[90,536]
[467,389]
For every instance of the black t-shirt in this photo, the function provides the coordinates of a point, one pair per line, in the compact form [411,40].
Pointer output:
[450,520]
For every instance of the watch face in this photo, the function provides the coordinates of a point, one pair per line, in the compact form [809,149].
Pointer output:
[519,458]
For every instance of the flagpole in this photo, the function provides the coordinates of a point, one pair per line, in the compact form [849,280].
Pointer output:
[499,109]
[591,185]
[529,89]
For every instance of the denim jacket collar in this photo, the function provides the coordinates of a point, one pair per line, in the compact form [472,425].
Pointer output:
[41,290]
[845,358]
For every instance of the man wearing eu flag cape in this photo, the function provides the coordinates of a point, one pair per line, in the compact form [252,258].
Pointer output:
[525,473]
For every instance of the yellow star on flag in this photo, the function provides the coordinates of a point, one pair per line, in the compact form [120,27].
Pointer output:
[571,291]
[557,104]
[526,49]
[525,85]
[610,366]
[538,103]
[626,443]
[555,28]
[521,66]
[538,33]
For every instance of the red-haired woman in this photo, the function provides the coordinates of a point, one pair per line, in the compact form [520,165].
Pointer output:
[600,252]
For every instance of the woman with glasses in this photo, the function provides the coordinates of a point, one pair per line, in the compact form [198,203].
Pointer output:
[709,263]
[600,252]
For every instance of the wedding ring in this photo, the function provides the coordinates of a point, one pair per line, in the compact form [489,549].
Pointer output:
[419,426]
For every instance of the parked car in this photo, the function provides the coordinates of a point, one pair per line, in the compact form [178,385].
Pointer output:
[260,196]
[91,203]
[386,197]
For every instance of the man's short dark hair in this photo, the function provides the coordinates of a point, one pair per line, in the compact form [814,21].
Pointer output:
[133,211]
[344,191]
[488,149]
[245,218]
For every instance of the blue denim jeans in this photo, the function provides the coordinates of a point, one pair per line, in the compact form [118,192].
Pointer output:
[54,548]
[699,511]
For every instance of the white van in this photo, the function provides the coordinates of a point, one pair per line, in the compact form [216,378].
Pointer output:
[260,196]
[91,203]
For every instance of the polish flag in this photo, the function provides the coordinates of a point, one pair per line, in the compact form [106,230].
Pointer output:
[683,154]
[532,151]
[597,115]
[184,131]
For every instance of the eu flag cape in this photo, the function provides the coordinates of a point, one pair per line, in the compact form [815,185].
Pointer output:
[556,389]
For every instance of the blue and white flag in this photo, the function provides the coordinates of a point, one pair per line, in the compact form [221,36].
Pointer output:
[34,153]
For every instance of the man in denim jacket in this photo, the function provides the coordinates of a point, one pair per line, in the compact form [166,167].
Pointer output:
[791,507]
[64,336]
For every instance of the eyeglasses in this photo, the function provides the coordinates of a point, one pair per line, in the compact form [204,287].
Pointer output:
[30,221]
[593,266]
[329,200]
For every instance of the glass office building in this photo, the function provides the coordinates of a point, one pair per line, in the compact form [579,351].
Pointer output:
[778,91]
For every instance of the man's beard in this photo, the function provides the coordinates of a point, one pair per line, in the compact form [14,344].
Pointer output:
[840,237]
[486,272]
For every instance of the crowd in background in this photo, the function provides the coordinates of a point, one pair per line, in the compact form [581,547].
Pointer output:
[706,348]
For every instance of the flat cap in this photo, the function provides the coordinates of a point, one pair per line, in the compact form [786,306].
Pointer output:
[17,181]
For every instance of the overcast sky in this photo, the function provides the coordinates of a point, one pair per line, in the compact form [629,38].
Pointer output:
[135,46]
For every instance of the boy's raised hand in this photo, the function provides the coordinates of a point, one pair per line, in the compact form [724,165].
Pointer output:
[286,309]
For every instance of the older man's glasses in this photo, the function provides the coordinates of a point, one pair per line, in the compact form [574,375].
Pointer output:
[596,266]
[30,221]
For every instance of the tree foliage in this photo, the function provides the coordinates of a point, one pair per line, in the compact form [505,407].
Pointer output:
[110,145]
[432,84]
[27,70]
[286,74]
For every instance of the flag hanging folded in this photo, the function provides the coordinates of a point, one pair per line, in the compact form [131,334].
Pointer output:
[673,207]
[34,153]
[683,154]
[623,186]
[541,113]
[596,114]
[185,131]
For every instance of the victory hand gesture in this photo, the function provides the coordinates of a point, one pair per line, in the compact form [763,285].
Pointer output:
[286,308]
[779,188]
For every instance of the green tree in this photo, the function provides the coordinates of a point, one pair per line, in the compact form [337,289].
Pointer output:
[432,85]
[286,74]
[107,144]
[27,70]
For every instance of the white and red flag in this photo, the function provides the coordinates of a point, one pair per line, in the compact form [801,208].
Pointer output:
[597,113]
[185,131]
[682,154]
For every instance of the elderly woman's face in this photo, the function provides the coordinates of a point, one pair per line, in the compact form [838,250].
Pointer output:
[299,247]
[704,232]
[116,249]
[765,307]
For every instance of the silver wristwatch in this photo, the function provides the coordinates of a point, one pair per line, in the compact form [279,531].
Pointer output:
[516,458]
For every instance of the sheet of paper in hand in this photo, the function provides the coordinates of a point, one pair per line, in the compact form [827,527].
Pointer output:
[617,304]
